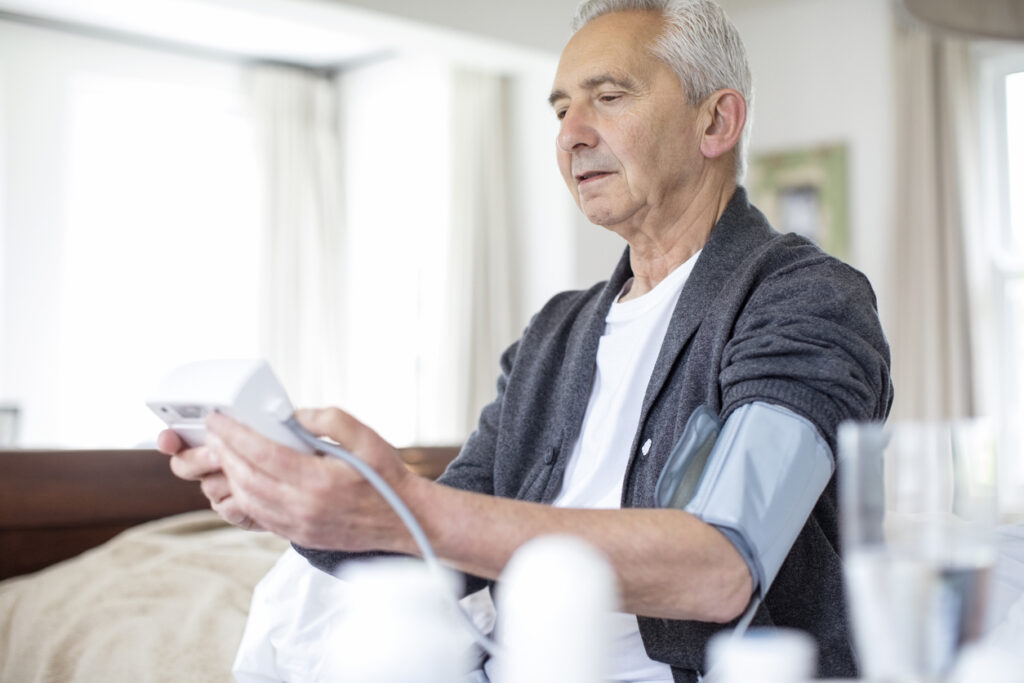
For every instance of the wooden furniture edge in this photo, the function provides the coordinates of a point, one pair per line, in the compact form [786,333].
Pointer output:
[55,504]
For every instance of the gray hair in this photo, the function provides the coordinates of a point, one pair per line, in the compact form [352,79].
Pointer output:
[700,44]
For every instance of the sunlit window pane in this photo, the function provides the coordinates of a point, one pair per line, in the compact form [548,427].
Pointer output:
[1012,320]
[397,214]
[1013,462]
[161,255]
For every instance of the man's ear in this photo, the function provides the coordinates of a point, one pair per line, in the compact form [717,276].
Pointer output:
[726,114]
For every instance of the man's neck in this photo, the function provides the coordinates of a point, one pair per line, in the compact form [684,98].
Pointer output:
[658,248]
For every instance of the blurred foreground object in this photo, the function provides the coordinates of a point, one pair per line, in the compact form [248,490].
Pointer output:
[766,655]
[573,586]
[917,512]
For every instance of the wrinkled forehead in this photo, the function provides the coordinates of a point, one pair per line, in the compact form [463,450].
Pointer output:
[615,43]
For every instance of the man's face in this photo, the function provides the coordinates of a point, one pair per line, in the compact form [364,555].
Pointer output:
[628,143]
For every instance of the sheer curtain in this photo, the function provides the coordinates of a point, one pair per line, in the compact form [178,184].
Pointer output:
[484,263]
[448,300]
[937,168]
[303,253]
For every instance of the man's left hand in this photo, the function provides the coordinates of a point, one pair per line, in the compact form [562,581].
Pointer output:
[313,501]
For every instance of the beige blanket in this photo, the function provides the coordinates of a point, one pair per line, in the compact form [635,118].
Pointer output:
[164,601]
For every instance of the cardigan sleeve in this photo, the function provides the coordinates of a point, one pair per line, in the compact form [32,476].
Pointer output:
[473,469]
[809,339]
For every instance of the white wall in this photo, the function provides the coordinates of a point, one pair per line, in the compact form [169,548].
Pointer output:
[822,74]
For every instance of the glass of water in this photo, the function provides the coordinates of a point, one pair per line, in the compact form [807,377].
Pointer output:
[918,510]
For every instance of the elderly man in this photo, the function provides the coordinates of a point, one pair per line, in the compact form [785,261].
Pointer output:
[708,309]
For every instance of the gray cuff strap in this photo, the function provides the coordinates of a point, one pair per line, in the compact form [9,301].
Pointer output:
[766,472]
[743,548]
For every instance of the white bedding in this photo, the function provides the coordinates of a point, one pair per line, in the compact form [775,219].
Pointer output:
[297,623]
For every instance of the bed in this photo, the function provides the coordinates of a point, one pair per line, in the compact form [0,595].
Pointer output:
[112,569]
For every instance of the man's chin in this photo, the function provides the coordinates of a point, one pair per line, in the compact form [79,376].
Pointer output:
[601,215]
[595,211]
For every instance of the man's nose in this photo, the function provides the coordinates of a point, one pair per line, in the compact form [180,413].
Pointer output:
[576,129]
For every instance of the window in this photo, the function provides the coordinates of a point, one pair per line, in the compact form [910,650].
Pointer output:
[1011,274]
[1003,216]
[133,230]
[160,262]
[397,218]
[1015,159]
[130,227]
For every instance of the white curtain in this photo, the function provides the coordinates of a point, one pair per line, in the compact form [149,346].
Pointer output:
[484,263]
[297,117]
[937,168]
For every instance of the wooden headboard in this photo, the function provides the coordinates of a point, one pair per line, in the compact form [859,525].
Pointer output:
[57,504]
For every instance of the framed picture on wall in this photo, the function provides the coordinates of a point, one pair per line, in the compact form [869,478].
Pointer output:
[804,191]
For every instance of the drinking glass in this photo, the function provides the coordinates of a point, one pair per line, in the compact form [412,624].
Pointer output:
[917,511]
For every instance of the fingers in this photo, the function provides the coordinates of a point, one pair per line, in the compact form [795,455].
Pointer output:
[215,487]
[203,465]
[320,502]
[169,442]
[193,464]
[330,422]
[231,512]
[338,425]
[255,495]
[358,439]
[263,475]
[229,436]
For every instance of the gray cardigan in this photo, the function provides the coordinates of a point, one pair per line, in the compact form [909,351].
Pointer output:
[762,317]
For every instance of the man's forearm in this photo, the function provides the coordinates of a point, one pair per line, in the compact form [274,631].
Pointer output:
[669,564]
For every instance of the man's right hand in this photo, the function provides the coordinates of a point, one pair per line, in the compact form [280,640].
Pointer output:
[201,464]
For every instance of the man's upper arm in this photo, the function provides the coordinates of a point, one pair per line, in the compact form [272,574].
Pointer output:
[760,483]
[809,339]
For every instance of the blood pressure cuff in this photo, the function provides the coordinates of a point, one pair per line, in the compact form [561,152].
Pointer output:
[757,482]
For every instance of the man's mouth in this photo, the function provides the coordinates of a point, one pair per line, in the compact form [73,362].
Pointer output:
[591,175]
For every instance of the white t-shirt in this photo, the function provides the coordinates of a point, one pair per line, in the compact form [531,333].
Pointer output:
[633,335]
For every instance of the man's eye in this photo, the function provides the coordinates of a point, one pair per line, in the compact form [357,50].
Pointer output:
[560,113]
[608,98]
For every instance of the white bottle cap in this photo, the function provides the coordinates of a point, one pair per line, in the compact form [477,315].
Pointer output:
[766,655]
[989,663]
[555,601]
[399,626]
